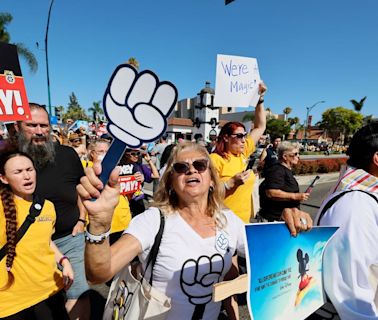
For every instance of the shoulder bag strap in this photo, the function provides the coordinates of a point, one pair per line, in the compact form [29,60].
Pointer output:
[155,247]
[330,203]
[328,307]
[34,211]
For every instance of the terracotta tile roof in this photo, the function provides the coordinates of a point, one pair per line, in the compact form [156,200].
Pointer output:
[180,122]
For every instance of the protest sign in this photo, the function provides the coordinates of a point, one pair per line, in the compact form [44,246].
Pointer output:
[128,185]
[14,104]
[237,81]
[137,106]
[285,272]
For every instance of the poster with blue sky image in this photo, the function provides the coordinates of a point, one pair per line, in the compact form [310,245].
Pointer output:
[285,272]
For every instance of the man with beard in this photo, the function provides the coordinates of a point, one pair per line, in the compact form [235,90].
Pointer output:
[58,172]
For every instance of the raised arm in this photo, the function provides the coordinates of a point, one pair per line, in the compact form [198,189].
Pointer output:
[260,116]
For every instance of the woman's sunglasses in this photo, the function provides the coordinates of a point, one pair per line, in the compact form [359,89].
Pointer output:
[184,167]
[134,154]
[295,154]
[239,135]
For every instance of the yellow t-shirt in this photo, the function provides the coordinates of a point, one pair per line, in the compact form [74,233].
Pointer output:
[240,202]
[36,276]
[122,213]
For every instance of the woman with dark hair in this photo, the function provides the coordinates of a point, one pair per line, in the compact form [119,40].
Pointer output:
[30,281]
[230,157]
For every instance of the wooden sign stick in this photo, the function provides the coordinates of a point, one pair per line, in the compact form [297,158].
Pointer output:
[225,289]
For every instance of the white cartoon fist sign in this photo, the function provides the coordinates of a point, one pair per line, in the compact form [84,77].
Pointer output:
[137,105]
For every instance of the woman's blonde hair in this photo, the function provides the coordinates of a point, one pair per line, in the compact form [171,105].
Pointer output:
[167,200]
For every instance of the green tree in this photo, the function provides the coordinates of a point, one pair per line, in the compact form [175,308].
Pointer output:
[341,123]
[286,112]
[134,62]
[74,110]
[25,53]
[277,127]
[358,104]
[96,110]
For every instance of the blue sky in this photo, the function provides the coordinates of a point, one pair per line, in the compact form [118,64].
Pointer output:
[307,50]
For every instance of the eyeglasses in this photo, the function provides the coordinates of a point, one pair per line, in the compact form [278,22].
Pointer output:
[100,152]
[76,140]
[184,167]
[134,154]
[239,135]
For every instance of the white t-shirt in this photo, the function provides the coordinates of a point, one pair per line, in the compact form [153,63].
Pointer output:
[350,260]
[188,265]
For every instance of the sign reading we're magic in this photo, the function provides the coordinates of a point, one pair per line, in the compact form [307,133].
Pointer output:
[14,103]
[237,81]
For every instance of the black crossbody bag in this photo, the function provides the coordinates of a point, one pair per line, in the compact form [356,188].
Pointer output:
[34,212]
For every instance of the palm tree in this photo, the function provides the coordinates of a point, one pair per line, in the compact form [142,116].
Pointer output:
[358,105]
[286,111]
[268,112]
[96,110]
[5,19]
[134,62]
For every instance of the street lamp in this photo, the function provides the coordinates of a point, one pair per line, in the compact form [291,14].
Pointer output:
[306,126]
[47,58]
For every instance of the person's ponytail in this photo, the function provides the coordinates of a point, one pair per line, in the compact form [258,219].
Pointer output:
[10,213]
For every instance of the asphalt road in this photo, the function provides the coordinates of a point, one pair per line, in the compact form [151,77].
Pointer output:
[318,194]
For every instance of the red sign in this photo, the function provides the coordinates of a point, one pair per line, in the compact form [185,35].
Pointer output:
[14,103]
[128,185]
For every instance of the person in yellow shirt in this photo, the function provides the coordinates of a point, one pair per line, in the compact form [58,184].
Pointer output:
[30,282]
[230,157]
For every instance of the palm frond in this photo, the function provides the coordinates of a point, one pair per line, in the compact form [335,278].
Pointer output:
[28,56]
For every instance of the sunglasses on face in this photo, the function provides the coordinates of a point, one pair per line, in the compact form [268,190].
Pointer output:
[184,167]
[239,135]
[134,154]
[295,154]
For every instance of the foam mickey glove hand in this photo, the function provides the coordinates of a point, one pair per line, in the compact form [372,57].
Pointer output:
[137,105]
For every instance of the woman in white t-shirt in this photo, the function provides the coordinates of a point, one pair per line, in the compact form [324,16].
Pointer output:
[199,239]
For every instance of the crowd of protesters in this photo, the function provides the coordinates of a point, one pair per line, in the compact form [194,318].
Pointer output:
[203,191]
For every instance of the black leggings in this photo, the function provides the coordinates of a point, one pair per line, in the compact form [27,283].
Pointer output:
[50,309]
